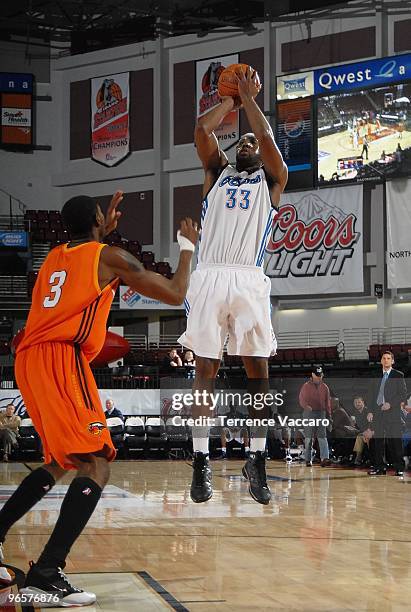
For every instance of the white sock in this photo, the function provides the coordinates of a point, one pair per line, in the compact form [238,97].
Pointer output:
[200,439]
[257,444]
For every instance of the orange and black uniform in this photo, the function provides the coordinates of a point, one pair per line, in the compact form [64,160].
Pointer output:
[65,330]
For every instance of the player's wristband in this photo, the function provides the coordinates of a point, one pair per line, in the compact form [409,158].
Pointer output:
[185,243]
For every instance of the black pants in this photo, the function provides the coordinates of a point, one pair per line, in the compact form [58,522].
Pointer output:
[388,428]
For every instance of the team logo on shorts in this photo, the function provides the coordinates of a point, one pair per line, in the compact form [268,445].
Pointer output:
[96,428]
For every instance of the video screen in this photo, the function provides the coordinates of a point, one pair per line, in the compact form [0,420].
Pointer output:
[365,135]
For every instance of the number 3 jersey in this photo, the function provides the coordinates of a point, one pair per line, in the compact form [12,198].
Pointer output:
[236,219]
[67,302]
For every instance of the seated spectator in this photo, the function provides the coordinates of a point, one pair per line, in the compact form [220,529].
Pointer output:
[9,427]
[173,360]
[189,364]
[343,429]
[361,423]
[111,411]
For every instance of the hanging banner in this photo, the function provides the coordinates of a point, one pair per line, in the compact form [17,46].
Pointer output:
[316,244]
[207,74]
[110,133]
[398,234]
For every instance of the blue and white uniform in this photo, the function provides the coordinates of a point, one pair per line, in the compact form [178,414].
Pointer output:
[229,294]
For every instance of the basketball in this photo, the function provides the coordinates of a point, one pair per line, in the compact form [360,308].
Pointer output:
[227,82]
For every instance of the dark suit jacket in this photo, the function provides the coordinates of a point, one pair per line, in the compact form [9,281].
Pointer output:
[115,413]
[395,392]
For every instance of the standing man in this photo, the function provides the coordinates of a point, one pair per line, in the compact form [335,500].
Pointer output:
[365,146]
[389,395]
[315,400]
[229,295]
[9,427]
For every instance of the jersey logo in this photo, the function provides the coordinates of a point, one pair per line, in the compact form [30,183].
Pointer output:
[96,428]
[236,181]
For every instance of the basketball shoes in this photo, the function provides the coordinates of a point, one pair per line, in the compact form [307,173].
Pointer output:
[54,583]
[254,472]
[201,489]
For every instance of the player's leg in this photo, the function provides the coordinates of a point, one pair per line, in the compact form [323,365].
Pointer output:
[204,383]
[46,576]
[254,469]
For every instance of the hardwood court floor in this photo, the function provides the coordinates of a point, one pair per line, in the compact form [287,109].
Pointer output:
[331,540]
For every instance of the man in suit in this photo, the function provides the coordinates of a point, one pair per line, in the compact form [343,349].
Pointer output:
[389,395]
[111,411]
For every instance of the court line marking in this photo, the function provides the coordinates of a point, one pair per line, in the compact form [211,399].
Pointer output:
[162,592]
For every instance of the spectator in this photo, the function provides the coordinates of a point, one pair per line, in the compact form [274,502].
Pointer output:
[365,146]
[9,426]
[173,360]
[361,422]
[111,411]
[315,401]
[389,395]
[343,429]
[398,153]
[190,364]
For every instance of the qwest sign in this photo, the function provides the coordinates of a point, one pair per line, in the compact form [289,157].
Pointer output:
[371,73]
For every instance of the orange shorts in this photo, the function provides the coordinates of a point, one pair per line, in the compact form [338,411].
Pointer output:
[61,397]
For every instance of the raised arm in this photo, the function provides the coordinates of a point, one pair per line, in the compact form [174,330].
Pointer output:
[248,88]
[210,154]
[117,263]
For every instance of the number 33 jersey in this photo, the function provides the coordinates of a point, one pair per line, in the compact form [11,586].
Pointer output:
[236,219]
[67,302]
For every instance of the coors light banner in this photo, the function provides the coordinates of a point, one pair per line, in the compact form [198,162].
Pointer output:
[110,136]
[316,243]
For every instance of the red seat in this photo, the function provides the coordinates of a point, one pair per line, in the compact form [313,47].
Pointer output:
[43,215]
[320,353]
[309,354]
[150,266]
[299,355]
[331,352]
[163,267]
[374,352]
[288,354]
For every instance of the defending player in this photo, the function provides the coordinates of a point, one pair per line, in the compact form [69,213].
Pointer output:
[229,293]
[65,330]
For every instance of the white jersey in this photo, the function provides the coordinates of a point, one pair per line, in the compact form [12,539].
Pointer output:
[236,219]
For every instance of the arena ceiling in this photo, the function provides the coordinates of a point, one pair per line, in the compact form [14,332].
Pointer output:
[85,25]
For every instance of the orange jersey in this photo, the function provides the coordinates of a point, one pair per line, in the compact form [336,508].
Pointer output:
[67,303]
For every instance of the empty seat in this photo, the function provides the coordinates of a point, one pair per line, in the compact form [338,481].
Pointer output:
[150,266]
[116,428]
[163,267]
[155,431]
[309,354]
[331,352]
[43,215]
[135,435]
[29,441]
[177,439]
[320,354]
[374,352]
[299,355]
[288,354]
[147,257]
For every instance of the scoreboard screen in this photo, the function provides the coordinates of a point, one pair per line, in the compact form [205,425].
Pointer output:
[295,137]
[16,105]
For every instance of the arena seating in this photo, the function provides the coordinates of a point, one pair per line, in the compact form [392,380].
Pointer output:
[401,351]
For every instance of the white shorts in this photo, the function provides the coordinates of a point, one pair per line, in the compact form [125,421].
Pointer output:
[229,301]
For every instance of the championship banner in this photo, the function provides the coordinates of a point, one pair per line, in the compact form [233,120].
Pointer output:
[207,74]
[132,300]
[398,234]
[316,244]
[110,133]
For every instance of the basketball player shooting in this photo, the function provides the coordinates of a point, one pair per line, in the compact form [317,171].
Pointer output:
[65,330]
[229,295]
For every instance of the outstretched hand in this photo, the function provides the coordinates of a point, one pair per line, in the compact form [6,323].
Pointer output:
[189,229]
[113,215]
[248,84]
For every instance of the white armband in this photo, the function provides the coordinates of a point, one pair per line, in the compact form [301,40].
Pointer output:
[185,243]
